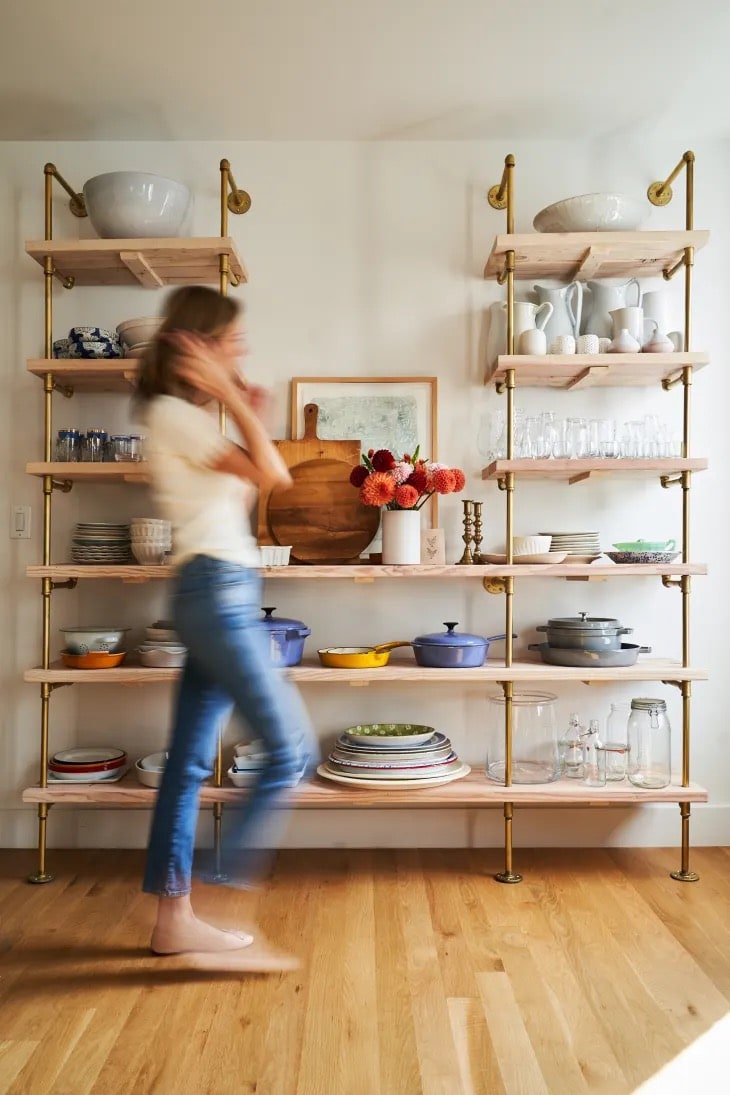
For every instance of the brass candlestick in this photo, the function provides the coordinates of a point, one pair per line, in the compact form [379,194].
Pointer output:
[476,554]
[467,558]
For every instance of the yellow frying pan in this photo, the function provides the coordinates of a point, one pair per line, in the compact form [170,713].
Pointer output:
[357,657]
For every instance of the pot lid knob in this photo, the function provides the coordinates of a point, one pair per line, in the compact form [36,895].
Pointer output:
[450,625]
[268,611]
[583,615]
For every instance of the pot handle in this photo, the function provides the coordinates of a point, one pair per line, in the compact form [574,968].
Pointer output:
[382,647]
[496,638]
[626,631]
[644,650]
[541,627]
[535,646]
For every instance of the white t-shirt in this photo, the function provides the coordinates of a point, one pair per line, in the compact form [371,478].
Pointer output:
[209,510]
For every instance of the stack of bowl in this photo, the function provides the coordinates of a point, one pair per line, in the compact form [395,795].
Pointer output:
[92,342]
[162,648]
[93,647]
[248,760]
[151,540]
[149,770]
[392,755]
[137,334]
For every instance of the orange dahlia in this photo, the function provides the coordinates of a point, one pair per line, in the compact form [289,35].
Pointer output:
[459,478]
[442,481]
[406,496]
[378,489]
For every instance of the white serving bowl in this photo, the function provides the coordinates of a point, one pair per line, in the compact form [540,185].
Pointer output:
[274,555]
[138,332]
[150,778]
[88,640]
[592,213]
[133,204]
[150,555]
[157,658]
[531,545]
[249,748]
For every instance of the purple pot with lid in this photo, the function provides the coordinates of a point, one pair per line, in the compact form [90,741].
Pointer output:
[286,638]
[452,649]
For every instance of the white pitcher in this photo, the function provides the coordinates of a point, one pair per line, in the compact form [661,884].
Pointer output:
[604,299]
[567,302]
[528,317]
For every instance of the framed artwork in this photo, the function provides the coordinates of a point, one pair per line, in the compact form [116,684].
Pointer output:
[383,412]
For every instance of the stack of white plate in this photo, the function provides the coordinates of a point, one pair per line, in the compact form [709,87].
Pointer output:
[393,755]
[101,542]
[580,547]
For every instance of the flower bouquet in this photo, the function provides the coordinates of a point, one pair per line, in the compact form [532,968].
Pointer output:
[402,483]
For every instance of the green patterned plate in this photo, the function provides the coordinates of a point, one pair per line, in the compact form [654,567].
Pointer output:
[389,735]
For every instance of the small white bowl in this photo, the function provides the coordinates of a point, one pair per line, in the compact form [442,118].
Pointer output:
[162,659]
[531,545]
[149,555]
[274,555]
[249,748]
[148,777]
[161,634]
[241,779]
[138,333]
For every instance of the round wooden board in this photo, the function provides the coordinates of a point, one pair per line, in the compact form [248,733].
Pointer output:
[321,515]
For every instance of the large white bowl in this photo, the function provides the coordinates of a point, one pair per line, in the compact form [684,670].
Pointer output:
[140,331]
[132,204]
[87,640]
[592,213]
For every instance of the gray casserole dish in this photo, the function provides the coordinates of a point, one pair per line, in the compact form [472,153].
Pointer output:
[584,632]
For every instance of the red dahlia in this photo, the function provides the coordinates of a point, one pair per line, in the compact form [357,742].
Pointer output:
[383,460]
[358,475]
[418,479]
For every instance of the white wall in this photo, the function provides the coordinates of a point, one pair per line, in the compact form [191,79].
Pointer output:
[367,259]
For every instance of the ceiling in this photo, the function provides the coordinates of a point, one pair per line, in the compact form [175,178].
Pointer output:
[363,69]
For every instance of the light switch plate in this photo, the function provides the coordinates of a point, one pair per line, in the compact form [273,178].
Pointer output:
[20,522]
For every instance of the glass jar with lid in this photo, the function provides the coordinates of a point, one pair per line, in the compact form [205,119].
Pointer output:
[650,739]
[535,756]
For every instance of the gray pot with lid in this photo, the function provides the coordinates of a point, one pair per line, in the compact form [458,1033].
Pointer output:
[584,632]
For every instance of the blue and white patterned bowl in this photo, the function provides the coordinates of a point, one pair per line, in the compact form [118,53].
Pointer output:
[655,558]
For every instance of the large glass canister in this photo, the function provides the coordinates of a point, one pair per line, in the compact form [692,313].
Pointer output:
[650,744]
[535,757]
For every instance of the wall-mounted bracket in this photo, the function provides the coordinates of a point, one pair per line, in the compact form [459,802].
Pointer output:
[238,201]
[64,485]
[671,583]
[668,481]
[502,482]
[66,390]
[59,684]
[674,684]
[77,205]
[495,585]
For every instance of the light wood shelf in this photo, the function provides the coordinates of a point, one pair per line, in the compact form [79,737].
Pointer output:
[576,471]
[472,791]
[88,374]
[584,255]
[366,574]
[577,371]
[399,670]
[151,263]
[79,472]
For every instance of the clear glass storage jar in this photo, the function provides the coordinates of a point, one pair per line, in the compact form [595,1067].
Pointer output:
[650,740]
[535,757]
[94,445]
[68,446]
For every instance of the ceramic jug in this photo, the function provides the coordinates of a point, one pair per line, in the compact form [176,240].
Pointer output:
[604,299]
[567,302]
[528,317]
[630,319]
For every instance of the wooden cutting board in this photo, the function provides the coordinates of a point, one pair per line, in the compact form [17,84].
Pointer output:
[321,515]
[309,447]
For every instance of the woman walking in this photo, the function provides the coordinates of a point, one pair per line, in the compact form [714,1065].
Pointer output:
[206,486]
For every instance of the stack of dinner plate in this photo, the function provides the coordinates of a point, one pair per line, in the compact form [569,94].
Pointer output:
[87,765]
[580,547]
[392,755]
[101,542]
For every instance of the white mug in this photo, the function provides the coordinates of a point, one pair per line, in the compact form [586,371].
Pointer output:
[588,344]
[532,342]
[563,344]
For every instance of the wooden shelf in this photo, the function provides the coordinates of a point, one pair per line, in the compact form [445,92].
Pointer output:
[77,472]
[584,255]
[399,670]
[472,791]
[571,371]
[151,263]
[87,374]
[133,573]
[575,471]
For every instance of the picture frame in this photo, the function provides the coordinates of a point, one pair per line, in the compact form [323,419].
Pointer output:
[383,412]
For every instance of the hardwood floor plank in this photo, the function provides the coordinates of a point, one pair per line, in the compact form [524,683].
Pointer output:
[478,1067]
[518,1064]
[14,1056]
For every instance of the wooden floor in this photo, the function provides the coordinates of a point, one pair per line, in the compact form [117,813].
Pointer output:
[420,975]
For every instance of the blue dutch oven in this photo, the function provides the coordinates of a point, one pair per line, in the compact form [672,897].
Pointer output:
[452,650]
[286,638]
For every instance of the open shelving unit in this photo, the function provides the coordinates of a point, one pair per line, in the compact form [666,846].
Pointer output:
[153,263]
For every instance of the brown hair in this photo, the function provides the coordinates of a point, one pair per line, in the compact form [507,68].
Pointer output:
[194,308]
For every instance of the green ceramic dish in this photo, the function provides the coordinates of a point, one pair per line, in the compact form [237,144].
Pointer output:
[647,545]
[390,734]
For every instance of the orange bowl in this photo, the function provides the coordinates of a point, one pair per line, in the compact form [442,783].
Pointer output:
[95,660]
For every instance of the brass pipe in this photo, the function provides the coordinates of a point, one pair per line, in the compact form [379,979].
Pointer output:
[225,172]
[49,171]
[660,193]
[685,585]
[46,589]
[238,201]
[684,874]
[501,196]
[689,159]
[508,874]
[41,874]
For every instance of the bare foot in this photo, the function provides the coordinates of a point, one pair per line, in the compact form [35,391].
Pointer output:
[195,935]
[260,957]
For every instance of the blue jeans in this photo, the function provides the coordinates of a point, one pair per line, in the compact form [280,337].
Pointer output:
[216,611]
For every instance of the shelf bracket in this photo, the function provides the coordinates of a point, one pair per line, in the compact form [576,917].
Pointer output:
[671,583]
[66,390]
[585,374]
[670,382]
[668,481]
[495,585]
[669,274]
[660,193]
[674,684]
[591,263]
[64,485]
[502,482]
[69,583]
[77,205]
[138,265]
[58,684]
[500,386]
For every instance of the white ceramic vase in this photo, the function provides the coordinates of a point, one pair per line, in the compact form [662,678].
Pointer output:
[401,536]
